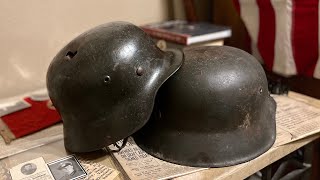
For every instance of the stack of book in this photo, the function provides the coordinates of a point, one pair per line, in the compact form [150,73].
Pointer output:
[180,34]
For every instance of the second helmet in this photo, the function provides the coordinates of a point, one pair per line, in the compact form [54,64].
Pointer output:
[214,111]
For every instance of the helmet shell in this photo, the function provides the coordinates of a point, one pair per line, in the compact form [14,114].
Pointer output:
[214,111]
[103,84]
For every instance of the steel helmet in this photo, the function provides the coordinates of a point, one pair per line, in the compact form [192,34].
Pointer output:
[214,111]
[104,82]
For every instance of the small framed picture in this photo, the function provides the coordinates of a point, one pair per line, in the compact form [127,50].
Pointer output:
[67,168]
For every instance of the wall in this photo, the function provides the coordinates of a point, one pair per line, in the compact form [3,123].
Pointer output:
[33,31]
[203,9]
[225,13]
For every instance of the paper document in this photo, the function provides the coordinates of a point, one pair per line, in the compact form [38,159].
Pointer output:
[35,169]
[98,171]
[141,166]
[295,120]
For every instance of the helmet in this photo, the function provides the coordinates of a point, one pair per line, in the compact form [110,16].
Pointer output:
[104,82]
[214,111]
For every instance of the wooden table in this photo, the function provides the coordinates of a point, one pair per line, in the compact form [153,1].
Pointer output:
[56,150]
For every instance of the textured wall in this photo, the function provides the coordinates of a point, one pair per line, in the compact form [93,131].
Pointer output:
[33,31]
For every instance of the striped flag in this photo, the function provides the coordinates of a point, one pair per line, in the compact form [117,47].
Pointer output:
[284,34]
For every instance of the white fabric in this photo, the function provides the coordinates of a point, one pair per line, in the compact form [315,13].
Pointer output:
[249,13]
[283,56]
[316,73]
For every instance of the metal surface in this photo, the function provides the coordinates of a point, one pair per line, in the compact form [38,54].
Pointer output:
[214,111]
[104,82]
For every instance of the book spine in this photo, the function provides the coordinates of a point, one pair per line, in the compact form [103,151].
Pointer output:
[165,35]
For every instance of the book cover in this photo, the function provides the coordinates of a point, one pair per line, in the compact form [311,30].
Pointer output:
[187,33]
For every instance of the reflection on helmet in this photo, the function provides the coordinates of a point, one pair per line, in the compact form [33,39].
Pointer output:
[104,82]
[214,111]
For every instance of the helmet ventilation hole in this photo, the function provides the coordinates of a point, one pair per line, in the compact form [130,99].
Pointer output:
[71,54]
[260,90]
[107,79]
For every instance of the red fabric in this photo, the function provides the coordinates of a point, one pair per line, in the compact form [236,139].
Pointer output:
[32,119]
[267,31]
[305,35]
[237,5]
[303,58]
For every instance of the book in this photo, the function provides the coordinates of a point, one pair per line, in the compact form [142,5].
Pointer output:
[163,44]
[187,33]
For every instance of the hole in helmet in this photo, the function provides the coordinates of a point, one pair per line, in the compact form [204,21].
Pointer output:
[71,54]
[260,90]
[139,71]
[107,79]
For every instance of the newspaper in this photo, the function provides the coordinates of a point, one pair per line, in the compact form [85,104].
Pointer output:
[142,166]
[38,169]
[294,119]
[82,169]
[98,171]
[35,169]
[4,171]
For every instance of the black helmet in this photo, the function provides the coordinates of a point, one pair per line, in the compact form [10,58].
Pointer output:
[214,111]
[104,82]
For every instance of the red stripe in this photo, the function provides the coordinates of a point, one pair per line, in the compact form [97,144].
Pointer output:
[267,32]
[305,35]
[237,5]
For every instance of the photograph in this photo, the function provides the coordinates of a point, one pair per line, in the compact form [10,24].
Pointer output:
[28,168]
[67,168]
[32,169]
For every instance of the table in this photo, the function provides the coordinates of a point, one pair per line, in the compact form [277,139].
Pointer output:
[55,150]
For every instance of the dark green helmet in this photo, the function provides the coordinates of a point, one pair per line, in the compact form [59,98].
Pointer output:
[104,82]
[214,111]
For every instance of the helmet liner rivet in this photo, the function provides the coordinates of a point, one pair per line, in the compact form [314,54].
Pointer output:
[139,71]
